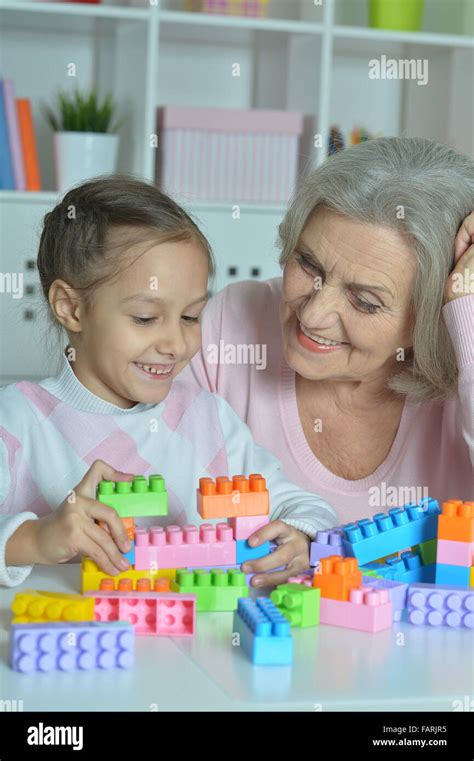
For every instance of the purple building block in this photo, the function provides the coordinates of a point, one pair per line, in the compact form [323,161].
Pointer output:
[433,605]
[326,543]
[397,592]
[71,646]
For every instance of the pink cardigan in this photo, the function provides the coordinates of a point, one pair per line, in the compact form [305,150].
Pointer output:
[433,451]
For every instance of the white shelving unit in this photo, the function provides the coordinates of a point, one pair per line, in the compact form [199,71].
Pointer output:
[302,58]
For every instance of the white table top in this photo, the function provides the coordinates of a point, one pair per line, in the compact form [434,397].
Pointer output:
[405,668]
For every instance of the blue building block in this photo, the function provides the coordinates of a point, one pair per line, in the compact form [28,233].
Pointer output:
[455,575]
[391,532]
[408,568]
[265,634]
[244,552]
[130,555]
[71,646]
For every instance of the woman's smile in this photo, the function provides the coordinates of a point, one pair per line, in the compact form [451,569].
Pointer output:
[314,342]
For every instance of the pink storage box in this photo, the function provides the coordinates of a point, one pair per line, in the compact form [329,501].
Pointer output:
[217,154]
[229,7]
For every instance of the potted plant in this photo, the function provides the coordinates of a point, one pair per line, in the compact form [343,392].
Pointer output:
[84,142]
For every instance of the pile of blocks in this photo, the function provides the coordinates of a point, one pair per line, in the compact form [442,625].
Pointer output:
[203,560]
[416,560]
[455,548]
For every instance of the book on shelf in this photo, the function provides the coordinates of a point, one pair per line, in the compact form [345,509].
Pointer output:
[19,167]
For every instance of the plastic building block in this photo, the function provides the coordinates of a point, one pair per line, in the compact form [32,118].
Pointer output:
[245,525]
[244,552]
[298,603]
[306,578]
[391,532]
[186,547]
[92,576]
[397,592]
[71,647]
[457,521]
[471,577]
[435,605]
[130,555]
[36,607]
[224,498]
[264,632]
[150,613]
[427,551]
[215,590]
[326,543]
[367,609]
[337,576]
[139,498]
[407,568]
[455,553]
[457,575]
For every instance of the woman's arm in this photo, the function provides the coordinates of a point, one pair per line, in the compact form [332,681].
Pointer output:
[458,314]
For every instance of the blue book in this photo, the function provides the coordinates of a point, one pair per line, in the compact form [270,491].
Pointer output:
[6,166]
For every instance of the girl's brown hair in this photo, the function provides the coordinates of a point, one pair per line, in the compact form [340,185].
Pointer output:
[86,235]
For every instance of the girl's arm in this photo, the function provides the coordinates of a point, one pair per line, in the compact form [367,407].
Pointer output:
[14,528]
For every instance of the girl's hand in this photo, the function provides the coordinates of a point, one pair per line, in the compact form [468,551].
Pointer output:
[461,280]
[292,553]
[72,529]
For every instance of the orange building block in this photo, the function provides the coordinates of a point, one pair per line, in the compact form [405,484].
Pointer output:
[129,525]
[224,498]
[337,577]
[456,522]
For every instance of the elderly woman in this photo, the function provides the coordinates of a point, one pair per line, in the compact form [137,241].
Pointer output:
[363,385]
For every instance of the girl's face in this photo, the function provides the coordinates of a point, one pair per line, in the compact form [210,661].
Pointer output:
[144,327]
[346,302]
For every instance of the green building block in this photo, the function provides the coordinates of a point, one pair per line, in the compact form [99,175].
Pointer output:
[298,603]
[427,551]
[215,590]
[140,498]
[370,572]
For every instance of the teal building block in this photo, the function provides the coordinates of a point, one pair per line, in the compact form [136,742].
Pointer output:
[452,575]
[141,498]
[391,532]
[215,590]
[130,555]
[298,603]
[263,632]
[244,552]
[408,569]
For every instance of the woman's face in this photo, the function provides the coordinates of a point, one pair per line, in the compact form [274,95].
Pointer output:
[346,302]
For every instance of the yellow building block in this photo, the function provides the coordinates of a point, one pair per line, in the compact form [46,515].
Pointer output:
[471,577]
[91,575]
[33,606]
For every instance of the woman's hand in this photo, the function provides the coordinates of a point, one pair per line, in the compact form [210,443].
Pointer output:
[461,279]
[72,529]
[292,554]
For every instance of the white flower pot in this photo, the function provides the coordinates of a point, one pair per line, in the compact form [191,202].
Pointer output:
[79,156]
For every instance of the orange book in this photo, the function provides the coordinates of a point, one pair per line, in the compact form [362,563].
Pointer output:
[28,144]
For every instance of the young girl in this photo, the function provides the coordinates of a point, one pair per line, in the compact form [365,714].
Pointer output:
[125,271]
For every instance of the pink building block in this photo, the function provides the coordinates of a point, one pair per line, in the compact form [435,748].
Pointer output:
[187,547]
[159,614]
[455,553]
[246,525]
[367,609]
[302,578]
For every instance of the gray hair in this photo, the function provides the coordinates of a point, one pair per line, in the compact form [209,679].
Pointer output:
[432,187]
